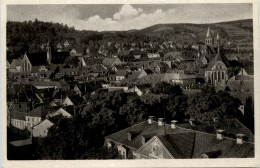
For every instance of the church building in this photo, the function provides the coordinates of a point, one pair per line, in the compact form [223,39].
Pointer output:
[217,70]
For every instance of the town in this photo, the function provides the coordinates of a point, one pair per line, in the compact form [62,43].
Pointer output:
[127,95]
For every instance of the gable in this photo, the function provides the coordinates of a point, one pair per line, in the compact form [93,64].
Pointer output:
[242,72]
[60,111]
[154,148]
[67,102]
[219,65]
[44,124]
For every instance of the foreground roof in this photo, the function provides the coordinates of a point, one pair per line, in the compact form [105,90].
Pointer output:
[182,142]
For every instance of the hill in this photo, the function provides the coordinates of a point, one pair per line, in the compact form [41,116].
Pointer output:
[30,35]
[233,30]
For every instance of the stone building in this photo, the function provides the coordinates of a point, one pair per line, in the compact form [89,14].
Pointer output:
[217,70]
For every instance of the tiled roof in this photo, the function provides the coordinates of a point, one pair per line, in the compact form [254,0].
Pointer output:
[249,70]
[76,99]
[231,127]
[59,57]
[228,148]
[37,112]
[218,57]
[93,61]
[74,61]
[37,58]
[244,85]
[145,129]
[183,142]
[21,142]
[17,115]
[19,107]
[110,61]
[121,72]
[180,145]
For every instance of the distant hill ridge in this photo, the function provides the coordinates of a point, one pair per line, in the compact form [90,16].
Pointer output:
[29,35]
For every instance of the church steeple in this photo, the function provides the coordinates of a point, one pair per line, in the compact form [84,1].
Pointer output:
[209,40]
[48,52]
[218,39]
[208,33]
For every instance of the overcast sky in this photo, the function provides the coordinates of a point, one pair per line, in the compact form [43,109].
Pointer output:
[126,17]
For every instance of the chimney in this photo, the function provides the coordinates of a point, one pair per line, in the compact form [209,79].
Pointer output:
[215,119]
[160,121]
[143,140]
[173,124]
[150,119]
[191,121]
[129,137]
[132,134]
[220,134]
[240,138]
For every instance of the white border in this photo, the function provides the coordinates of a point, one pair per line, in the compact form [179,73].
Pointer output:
[252,162]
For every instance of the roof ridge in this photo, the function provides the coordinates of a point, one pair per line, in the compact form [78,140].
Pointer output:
[125,128]
[213,134]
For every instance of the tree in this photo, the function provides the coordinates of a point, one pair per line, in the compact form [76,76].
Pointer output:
[133,111]
[249,113]
[208,104]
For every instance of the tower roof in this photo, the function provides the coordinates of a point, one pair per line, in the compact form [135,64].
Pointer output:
[208,33]
[219,57]
[218,36]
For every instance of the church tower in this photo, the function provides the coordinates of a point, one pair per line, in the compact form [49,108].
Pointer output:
[48,51]
[218,40]
[209,40]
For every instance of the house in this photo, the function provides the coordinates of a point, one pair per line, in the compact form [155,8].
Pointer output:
[157,66]
[17,65]
[205,60]
[59,46]
[136,90]
[153,55]
[134,75]
[18,120]
[46,84]
[240,85]
[74,100]
[66,43]
[33,117]
[98,68]
[180,78]
[58,112]
[119,76]
[114,88]
[158,140]
[59,57]
[243,81]
[22,107]
[41,130]
[93,61]
[35,59]
[110,62]
[73,52]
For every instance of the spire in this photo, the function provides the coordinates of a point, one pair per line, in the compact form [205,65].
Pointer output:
[208,32]
[218,49]
[218,36]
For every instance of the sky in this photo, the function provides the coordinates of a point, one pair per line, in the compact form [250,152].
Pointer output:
[116,17]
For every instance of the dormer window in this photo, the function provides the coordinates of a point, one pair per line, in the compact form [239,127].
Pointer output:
[109,145]
[122,151]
